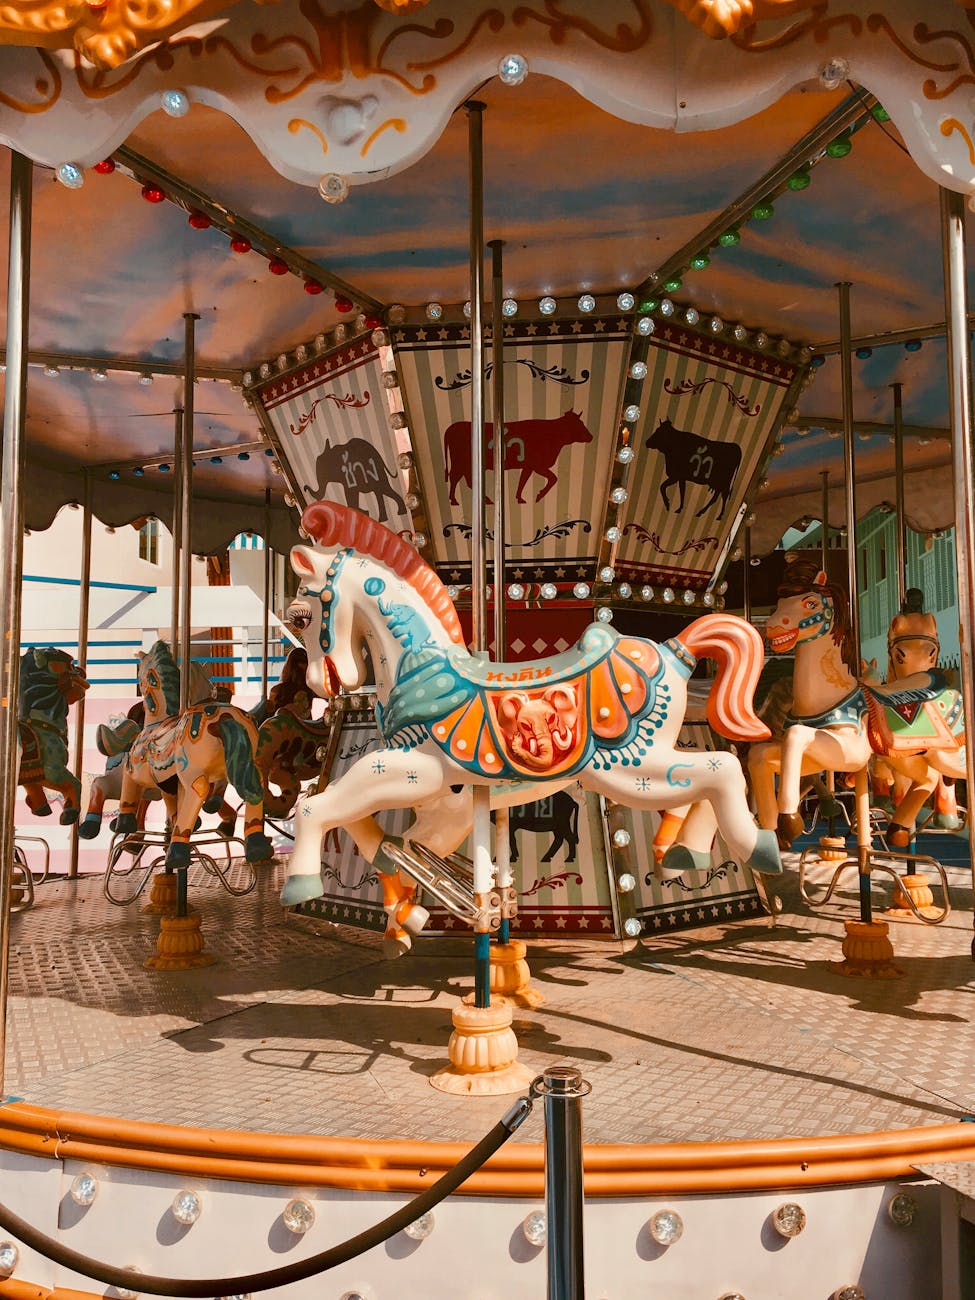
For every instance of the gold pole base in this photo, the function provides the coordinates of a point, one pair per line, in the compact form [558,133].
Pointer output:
[162,896]
[832,849]
[483,1054]
[920,892]
[868,952]
[511,976]
[180,945]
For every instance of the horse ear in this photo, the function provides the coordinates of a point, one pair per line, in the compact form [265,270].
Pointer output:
[303,561]
[40,659]
[820,579]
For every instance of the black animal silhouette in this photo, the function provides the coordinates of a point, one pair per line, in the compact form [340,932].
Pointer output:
[690,459]
[357,467]
[559,813]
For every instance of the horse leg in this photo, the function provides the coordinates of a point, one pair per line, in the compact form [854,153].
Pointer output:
[795,742]
[126,822]
[92,822]
[923,780]
[37,799]
[70,787]
[946,805]
[188,808]
[764,760]
[671,820]
[257,846]
[385,779]
[228,819]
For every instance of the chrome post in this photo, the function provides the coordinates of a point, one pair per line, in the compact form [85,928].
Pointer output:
[497,420]
[962,452]
[267,590]
[177,524]
[186,510]
[824,544]
[12,539]
[901,551]
[563,1089]
[746,575]
[84,604]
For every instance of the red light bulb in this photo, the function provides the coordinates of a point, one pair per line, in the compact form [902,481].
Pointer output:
[240,245]
[105,167]
[278,266]
[313,287]
[200,221]
[153,194]
[343,304]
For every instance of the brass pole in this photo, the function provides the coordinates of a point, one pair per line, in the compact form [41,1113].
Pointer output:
[84,603]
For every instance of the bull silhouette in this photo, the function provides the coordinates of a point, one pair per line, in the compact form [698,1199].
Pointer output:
[530,446]
[690,459]
[357,467]
[559,814]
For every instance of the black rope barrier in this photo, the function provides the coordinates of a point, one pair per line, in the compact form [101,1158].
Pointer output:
[130,1280]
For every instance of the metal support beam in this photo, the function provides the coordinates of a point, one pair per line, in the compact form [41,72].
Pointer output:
[84,604]
[186,512]
[267,591]
[497,420]
[232,223]
[12,540]
[824,543]
[963,451]
[128,365]
[901,524]
[177,529]
[475,126]
[849,466]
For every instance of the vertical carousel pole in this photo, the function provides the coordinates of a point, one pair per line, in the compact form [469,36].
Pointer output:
[901,552]
[483,867]
[849,471]
[746,575]
[824,540]
[186,544]
[962,451]
[12,539]
[501,842]
[563,1089]
[267,591]
[177,526]
[84,602]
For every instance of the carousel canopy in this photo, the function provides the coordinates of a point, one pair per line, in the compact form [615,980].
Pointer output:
[741,178]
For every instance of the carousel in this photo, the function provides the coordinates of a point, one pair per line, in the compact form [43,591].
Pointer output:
[577,888]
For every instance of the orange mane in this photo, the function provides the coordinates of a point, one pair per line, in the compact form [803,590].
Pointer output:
[330,524]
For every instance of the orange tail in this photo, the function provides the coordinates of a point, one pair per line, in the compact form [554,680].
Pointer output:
[737,648]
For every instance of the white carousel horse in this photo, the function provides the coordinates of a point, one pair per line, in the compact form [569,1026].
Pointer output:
[606,714]
[914,723]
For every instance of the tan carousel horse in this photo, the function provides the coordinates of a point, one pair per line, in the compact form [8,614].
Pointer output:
[915,723]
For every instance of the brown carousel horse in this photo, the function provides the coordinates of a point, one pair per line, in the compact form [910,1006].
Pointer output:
[289,744]
[50,682]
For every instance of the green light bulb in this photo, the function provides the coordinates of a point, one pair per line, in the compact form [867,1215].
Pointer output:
[673,284]
[762,211]
[840,147]
[799,180]
[699,262]
[728,238]
[648,305]
[880,113]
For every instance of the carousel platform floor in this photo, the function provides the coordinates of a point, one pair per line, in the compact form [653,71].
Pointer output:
[737,1030]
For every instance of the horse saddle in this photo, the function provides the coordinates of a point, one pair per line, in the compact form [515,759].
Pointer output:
[915,714]
[539,719]
[113,741]
[31,758]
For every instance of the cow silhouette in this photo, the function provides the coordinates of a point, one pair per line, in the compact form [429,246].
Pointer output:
[530,446]
[357,467]
[559,813]
[690,459]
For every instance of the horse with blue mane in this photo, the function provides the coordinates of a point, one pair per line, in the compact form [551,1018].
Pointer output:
[606,714]
[50,681]
[190,757]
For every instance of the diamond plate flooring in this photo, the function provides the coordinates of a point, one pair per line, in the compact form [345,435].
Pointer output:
[739,1030]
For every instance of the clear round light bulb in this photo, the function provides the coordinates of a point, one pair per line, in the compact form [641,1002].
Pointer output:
[419,540]
[715,324]
[626,883]
[129,1293]
[298,1215]
[175,102]
[70,175]
[625,301]
[668,595]
[581,591]
[434,311]
[613,534]
[645,325]
[396,313]
[605,614]
[390,379]
[83,1189]
[638,370]
[621,838]
[739,333]
[516,591]
[632,927]
[788,1219]
[688,597]
[421,1228]
[625,455]
[607,573]
[412,500]
[509,307]
[453,592]
[333,188]
[834,72]
[709,599]
[631,413]
[692,315]
[646,593]
[535,1228]
[547,306]
[9,1255]
[467,309]
[902,1209]
[625,590]
[187,1207]
[666,1227]
[618,496]
[404,460]
[587,303]
[512,69]
[849,1292]
[667,308]
[761,339]
[548,591]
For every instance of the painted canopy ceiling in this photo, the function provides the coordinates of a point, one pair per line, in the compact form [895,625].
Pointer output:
[631,133]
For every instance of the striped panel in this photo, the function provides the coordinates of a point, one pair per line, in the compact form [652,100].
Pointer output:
[337,404]
[710,391]
[567,373]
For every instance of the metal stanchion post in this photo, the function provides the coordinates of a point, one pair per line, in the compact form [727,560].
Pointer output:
[84,602]
[563,1089]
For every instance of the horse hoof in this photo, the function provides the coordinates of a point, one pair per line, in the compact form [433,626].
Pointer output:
[89,828]
[898,836]
[301,889]
[680,858]
[212,804]
[415,919]
[178,856]
[258,848]
[830,809]
[396,945]
[947,821]
[765,855]
[125,824]
[69,816]
[42,810]
[788,828]
[226,829]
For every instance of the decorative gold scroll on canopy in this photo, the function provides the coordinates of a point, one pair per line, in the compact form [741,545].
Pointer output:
[107,32]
